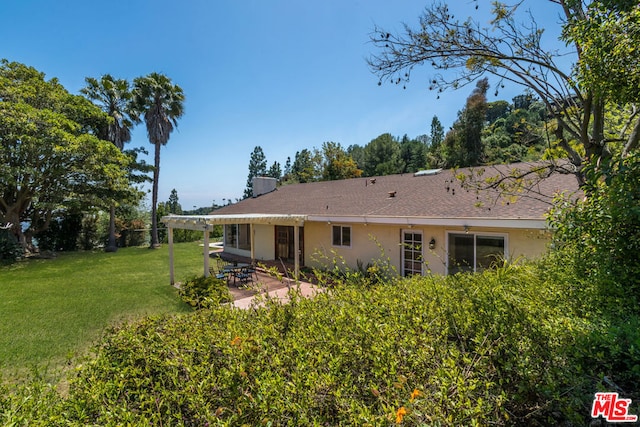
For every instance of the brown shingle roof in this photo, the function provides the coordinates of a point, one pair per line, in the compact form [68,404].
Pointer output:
[429,196]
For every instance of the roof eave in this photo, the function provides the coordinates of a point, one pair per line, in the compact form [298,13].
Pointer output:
[203,222]
[518,223]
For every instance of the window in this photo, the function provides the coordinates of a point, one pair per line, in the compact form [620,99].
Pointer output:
[237,236]
[412,259]
[341,236]
[244,236]
[231,234]
[474,252]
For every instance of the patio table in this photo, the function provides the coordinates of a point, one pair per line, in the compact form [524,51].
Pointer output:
[238,271]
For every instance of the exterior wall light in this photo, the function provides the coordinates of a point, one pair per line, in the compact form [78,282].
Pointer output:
[432,243]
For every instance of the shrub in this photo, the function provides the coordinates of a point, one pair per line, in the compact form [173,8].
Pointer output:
[494,349]
[10,249]
[203,291]
[333,268]
[600,236]
[505,347]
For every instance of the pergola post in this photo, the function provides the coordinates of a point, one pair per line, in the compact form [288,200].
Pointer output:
[206,250]
[170,237]
[253,240]
[296,250]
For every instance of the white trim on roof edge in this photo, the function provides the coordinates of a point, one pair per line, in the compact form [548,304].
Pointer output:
[460,222]
[198,222]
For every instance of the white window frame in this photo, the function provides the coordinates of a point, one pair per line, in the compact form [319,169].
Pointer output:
[342,227]
[475,235]
[240,239]
[412,231]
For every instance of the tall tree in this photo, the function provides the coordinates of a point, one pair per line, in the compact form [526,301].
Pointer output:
[161,104]
[462,145]
[287,169]
[513,52]
[305,166]
[114,98]
[437,132]
[275,171]
[437,138]
[382,156]
[50,157]
[257,167]
[357,154]
[413,153]
[473,120]
[173,204]
[337,164]
[608,34]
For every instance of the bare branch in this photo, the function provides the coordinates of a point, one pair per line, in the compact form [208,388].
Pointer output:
[514,183]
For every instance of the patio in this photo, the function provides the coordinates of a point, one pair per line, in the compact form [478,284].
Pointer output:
[265,282]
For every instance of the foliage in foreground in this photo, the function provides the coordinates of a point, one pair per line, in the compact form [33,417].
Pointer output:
[201,292]
[501,348]
[600,236]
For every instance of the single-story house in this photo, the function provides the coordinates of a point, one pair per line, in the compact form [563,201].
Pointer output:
[425,222]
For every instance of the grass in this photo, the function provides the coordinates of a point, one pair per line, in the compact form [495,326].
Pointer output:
[51,311]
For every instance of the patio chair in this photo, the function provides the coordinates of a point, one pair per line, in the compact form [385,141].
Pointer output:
[242,275]
[222,264]
[252,270]
[219,274]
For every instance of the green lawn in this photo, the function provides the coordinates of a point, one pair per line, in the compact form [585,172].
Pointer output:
[51,311]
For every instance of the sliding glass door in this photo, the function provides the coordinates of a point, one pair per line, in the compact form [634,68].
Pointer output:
[474,252]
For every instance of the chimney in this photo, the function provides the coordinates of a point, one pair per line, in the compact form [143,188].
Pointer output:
[263,185]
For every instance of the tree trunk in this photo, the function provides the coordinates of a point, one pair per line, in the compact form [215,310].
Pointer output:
[111,246]
[154,200]
[12,216]
[634,138]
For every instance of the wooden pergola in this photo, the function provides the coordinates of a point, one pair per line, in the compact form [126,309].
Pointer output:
[205,223]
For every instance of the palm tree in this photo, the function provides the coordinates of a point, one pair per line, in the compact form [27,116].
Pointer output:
[114,97]
[160,102]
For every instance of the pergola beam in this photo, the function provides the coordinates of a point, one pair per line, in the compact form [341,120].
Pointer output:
[204,223]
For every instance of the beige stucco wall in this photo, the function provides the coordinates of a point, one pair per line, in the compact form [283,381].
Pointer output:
[364,244]
[369,242]
[264,238]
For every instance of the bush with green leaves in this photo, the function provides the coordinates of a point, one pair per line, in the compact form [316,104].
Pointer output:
[10,249]
[506,347]
[497,348]
[200,291]
[600,235]
[333,268]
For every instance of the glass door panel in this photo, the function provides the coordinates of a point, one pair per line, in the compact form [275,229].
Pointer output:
[412,253]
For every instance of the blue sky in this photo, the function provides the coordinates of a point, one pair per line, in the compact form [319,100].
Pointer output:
[282,74]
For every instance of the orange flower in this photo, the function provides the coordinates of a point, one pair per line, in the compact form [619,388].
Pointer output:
[236,341]
[415,393]
[400,413]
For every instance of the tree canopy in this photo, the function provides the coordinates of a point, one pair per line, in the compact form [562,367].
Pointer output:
[460,52]
[114,98]
[50,156]
[337,164]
